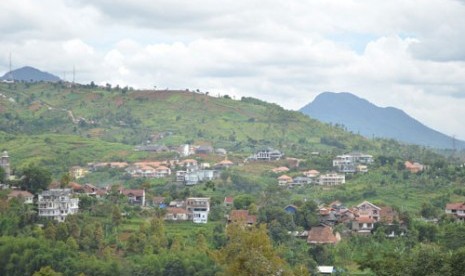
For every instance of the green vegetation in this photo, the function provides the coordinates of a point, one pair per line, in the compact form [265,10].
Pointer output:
[47,128]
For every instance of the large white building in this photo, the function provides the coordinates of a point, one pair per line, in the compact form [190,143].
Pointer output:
[57,204]
[199,207]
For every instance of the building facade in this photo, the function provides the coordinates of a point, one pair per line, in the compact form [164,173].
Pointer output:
[57,204]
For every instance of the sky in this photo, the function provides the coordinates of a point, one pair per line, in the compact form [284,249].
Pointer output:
[400,53]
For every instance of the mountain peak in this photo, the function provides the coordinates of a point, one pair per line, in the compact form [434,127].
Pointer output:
[30,74]
[361,116]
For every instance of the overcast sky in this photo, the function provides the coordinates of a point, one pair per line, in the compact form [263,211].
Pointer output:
[401,53]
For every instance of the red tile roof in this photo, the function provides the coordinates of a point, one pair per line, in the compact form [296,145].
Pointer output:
[17,193]
[455,206]
[321,235]
[242,216]
[134,192]
[229,200]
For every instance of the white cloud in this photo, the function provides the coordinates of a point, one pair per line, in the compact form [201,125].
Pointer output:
[399,53]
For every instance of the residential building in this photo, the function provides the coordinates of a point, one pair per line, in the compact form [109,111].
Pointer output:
[268,154]
[57,204]
[193,178]
[199,207]
[456,209]
[331,179]
[228,201]
[25,196]
[224,164]
[176,214]
[204,149]
[348,163]
[363,224]
[242,217]
[322,235]
[284,180]
[414,167]
[291,209]
[368,209]
[280,170]
[134,196]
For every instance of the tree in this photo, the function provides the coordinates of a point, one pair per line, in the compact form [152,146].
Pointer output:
[64,180]
[47,271]
[35,179]
[249,251]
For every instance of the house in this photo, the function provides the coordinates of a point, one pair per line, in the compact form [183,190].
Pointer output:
[311,173]
[280,170]
[322,235]
[177,203]
[180,176]
[414,167]
[189,165]
[291,209]
[134,196]
[158,201]
[57,204]
[176,214]
[284,180]
[300,180]
[224,164]
[331,179]
[152,148]
[77,172]
[204,149]
[348,163]
[363,224]
[75,187]
[242,217]
[25,196]
[193,178]
[162,171]
[199,207]
[368,209]
[456,209]
[344,164]
[268,154]
[228,201]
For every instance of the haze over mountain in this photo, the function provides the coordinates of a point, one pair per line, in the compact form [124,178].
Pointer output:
[30,74]
[361,116]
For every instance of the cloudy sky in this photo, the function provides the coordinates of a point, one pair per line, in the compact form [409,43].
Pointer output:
[401,53]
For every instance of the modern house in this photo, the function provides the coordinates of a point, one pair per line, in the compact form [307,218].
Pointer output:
[284,180]
[331,179]
[199,207]
[57,204]
[268,154]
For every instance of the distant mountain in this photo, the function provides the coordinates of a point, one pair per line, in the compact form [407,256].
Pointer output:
[360,116]
[30,74]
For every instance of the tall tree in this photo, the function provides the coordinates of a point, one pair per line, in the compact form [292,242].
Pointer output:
[35,179]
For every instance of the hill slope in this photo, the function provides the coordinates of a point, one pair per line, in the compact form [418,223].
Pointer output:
[361,116]
[30,74]
[120,118]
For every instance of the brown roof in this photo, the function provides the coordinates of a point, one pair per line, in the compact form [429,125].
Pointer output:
[17,193]
[365,219]
[455,206]
[242,216]
[176,210]
[75,186]
[135,192]
[321,234]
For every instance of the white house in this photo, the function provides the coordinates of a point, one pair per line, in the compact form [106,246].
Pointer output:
[199,207]
[57,204]
[331,179]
